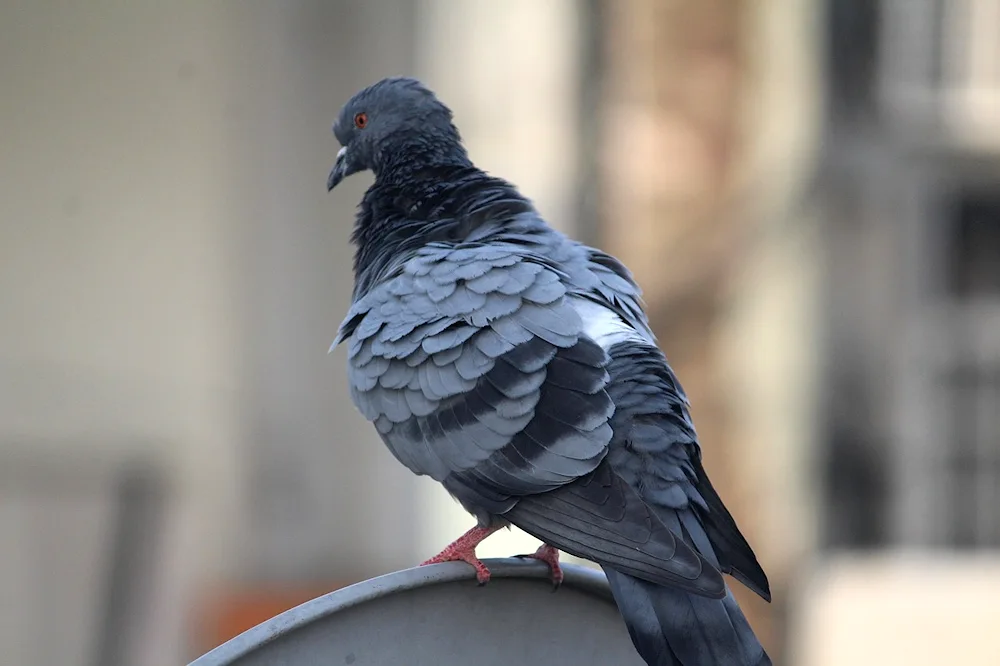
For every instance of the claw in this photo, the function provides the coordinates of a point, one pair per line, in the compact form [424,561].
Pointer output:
[463,549]
[550,556]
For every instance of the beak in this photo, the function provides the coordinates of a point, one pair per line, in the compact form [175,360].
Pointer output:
[339,170]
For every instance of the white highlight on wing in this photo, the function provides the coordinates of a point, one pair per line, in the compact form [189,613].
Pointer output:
[604,326]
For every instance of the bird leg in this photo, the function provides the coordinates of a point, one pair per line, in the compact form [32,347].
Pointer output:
[463,549]
[549,555]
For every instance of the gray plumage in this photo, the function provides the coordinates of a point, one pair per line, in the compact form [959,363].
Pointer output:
[516,367]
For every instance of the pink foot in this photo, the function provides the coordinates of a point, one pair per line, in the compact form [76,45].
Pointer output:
[463,549]
[550,556]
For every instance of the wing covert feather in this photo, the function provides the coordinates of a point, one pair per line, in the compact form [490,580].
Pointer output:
[473,363]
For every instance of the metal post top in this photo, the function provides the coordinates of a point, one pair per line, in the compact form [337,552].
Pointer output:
[438,604]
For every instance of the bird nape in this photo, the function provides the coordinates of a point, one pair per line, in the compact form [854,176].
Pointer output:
[516,367]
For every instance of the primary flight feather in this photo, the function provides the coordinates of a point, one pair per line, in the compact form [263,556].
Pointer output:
[516,367]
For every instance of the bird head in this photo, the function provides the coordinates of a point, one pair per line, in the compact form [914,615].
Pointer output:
[394,120]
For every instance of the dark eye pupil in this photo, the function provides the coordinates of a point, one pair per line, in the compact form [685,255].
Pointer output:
[361,120]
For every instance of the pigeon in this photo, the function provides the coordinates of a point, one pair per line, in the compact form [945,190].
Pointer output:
[516,367]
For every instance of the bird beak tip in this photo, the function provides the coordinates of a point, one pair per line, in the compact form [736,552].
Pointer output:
[339,170]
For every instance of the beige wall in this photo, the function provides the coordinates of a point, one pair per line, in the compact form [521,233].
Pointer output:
[917,609]
[119,334]
[172,272]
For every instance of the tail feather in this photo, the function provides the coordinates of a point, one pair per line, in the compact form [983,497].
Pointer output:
[670,627]
[735,556]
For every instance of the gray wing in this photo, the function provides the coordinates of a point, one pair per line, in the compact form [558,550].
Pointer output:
[655,448]
[472,365]
[607,516]
[614,285]
[476,368]
[662,456]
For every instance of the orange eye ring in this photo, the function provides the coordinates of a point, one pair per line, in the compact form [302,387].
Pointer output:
[361,120]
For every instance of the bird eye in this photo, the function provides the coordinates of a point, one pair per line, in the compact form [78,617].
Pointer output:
[361,120]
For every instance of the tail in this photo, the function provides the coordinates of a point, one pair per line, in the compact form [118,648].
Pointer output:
[670,627]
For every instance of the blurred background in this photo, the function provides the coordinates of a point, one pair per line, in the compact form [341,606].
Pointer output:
[807,190]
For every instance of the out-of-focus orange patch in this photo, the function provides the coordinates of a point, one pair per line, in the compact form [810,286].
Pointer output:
[228,612]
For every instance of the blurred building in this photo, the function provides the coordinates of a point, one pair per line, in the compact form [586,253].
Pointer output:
[909,188]
[806,189]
